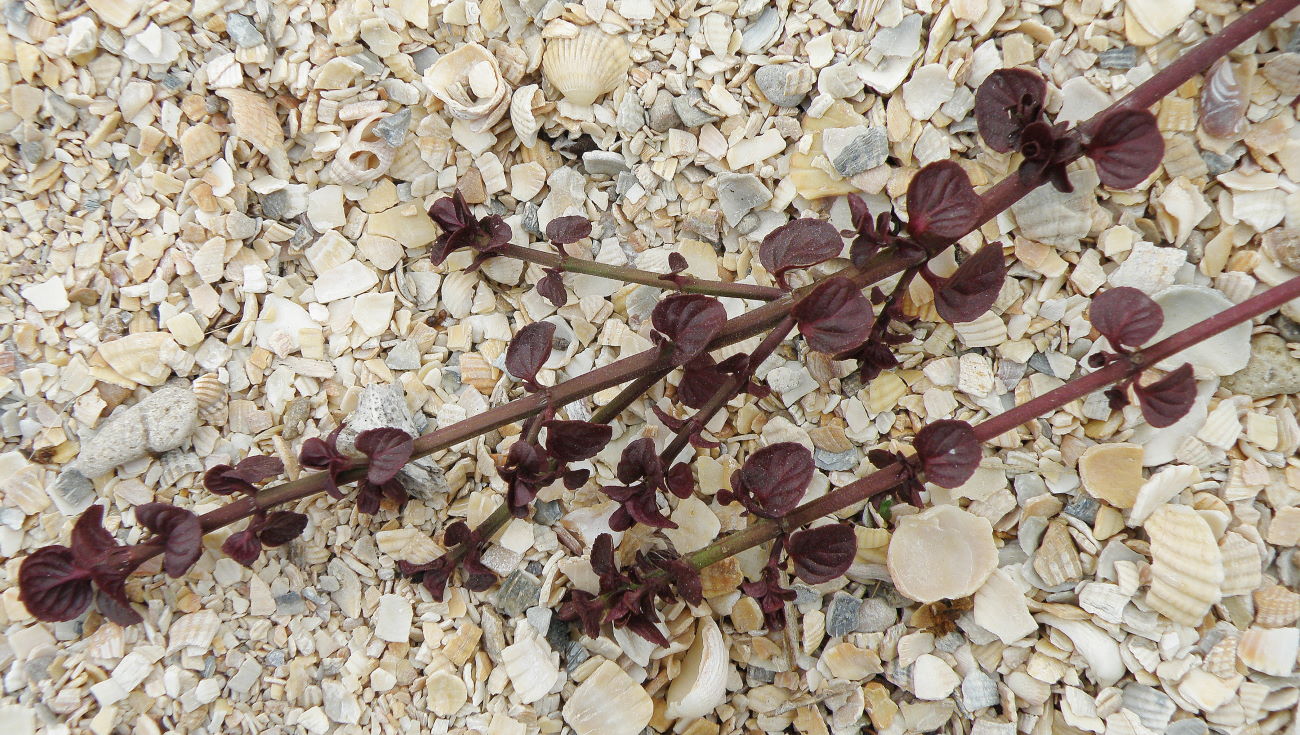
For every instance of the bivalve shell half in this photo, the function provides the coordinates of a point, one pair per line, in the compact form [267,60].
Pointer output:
[1222,354]
[701,685]
[1242,568]
[609,702]
[1187,565]
[524,106]
[469,82]
[1275,606]
[941,553]
[586,66]
[1270,650]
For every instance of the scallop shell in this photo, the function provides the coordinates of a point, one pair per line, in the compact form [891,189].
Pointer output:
[524,106]
[1283,72]
[941,553]
[457,293]
[1160,488]
[1222,354]
[176,464]
[211,394]
[1223,101]
[608,702]
[586,66]
[531,665]
[1222,426]
[1270,650]
[1151,705]
[470,85]
[701,684]
[363,156]
[1242,565]
[1187,565]
[195,630]
[476,371]
[25,490]
[1276,606]
[1236,285]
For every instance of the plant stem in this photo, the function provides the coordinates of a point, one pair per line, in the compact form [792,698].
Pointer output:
[892,474]
[684,284]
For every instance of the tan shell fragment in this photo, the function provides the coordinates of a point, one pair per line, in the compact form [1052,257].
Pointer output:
[587,66]
[138,357]
[1057,560]
[1242,566]
[1112,472]
[609,702]
[1270,650]
[1276,607]
[531,665]
[1187,566]
[941,553]
[701,685]
[211,394]
[256,122]
[526,102]
[469,82]
[363,156]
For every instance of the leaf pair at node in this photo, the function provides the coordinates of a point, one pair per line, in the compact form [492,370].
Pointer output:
[265,529]
[1128,319]
[435,574]
[561,231]
[947,454]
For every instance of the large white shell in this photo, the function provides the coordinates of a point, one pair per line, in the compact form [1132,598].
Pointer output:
[1223,354]
[531,665]
[586,66]
[524,105]
[701,684]
[609,702]
[1187,565]
[1270,650]
[363,156]
[469,82]
[941,553]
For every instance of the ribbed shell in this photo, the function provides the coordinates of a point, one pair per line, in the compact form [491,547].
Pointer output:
[1241,565]
[523,112]
[586,66]
[363,156]
[1187,566]
[1223,101]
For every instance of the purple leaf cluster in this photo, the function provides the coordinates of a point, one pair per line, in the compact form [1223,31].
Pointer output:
[529,467]
[461,229]
[685,324]
[819,554]
[561,231]
[1128,319]
[265,529]
[772,480]
[57,583]
[702,377]
[1126,148]
[324,454]
[434,575]
[388,450]
[642,472]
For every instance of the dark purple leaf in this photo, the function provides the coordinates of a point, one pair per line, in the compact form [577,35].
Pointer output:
[389,450]
[1168,399]
[639,459]
[323,454]
[647,629]
[281,527]
[680,480]
[799,244]
[257,468]
[949,452]
[564,230]
[687,323]
[529,350]
[112,603]
[1007,101]
[461,229]
[1125,316]
[677,263]
[700,380]
[551,288]
[573,441]
[823,553]
[1126,148]
[243,546]
[90,542]
[942,206]
[773,480]
[181,531]
[51,586]
[974,286]
[835,317]
[574,479]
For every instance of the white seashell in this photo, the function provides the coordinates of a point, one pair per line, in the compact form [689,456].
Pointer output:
[986,331]
[1242,565]
[469,82]
[209,261]
[1057,560]
[195,630]
[531,665]
[586,66]
[1157,17]
[1187,565]
[941,553]
[932,678]
[1000,608]
[1276,606]
[609,702]
[363,156]
[701,684]
[1160,446]
[1222,426]
[107,642]
[718,33]
[209,390]
[139,357]
[1197,453]
[256,122]
[445,693]
[1106,601]
[1098,649]
[762,31]
[1270,650]
[1283,72]
[457,293]
[407,163]
[1160,488]
[524,104]
[564,343]
[1223,354]
[1153,706]
[1223,101]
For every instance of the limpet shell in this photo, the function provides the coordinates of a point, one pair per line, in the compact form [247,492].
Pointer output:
[1187,565]
[941,553]
[586,66]
[469,82]
[363,156]
[1222,354]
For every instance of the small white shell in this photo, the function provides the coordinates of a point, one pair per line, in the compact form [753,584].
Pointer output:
[718,34]
[457,294]
[1187,565]
[1242,565]
[524,105]
[407,163]
[608,702]
[1270,650]
[1097,648]
[363,156]
[1223,101]
[195,630]
[941,553]
[1183,306]
[469,82]
[531,665]
[986,331]
[701,684]
[586,66]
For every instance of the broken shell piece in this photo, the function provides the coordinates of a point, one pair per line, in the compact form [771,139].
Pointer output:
[139,357]
[586,66]
[1000,608]
[1148,21]
[210,393]
[701,685]
[1160,489]
[469,83]
[1223,354]
[532,667]
[1269,650]
[526,102]
[609,702]
[1243,571]
[1275,606]
[1112,472]
[363,156]
[1187,566]
[1223,101]
[941,553]
[1097,648]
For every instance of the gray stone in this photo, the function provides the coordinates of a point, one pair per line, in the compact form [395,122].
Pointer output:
[33,151]
[1288,329]
[405,355]
[501,560]
[739,194]
[290,603]
[286,203]
[424,58]
[978,690]
[855,150]
[275,658]
[624,182]
[530,220]
[384,406]
[836,461]
[663,116]
[242,31]
[784,85]
[806,598]
[546,512]
[162,421]
[1120,59]
[575,655]
[689,112]
[1084,508]
[240,226]
[1271,371]
[393,128]
[518,593]
[1218,163]
[540,618]
[1039,364]
[759,676]
[842,614]
[73,492]
[604,163]
[631,113]
[875,615]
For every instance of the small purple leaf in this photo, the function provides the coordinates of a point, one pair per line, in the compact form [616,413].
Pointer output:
[551,288]
[835,317]
[1127,148]
[389,450]
[799,244]
[181,531]
[1168,399]
[942,206]
[973,288]
[529,350]
[773,480]
[51,586]
[823,553]
[687,323]
[1125,316]
[573,441]
[949,452]
[1007,101]
[243,547]
[565,230]
[677,263]
[281,527]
